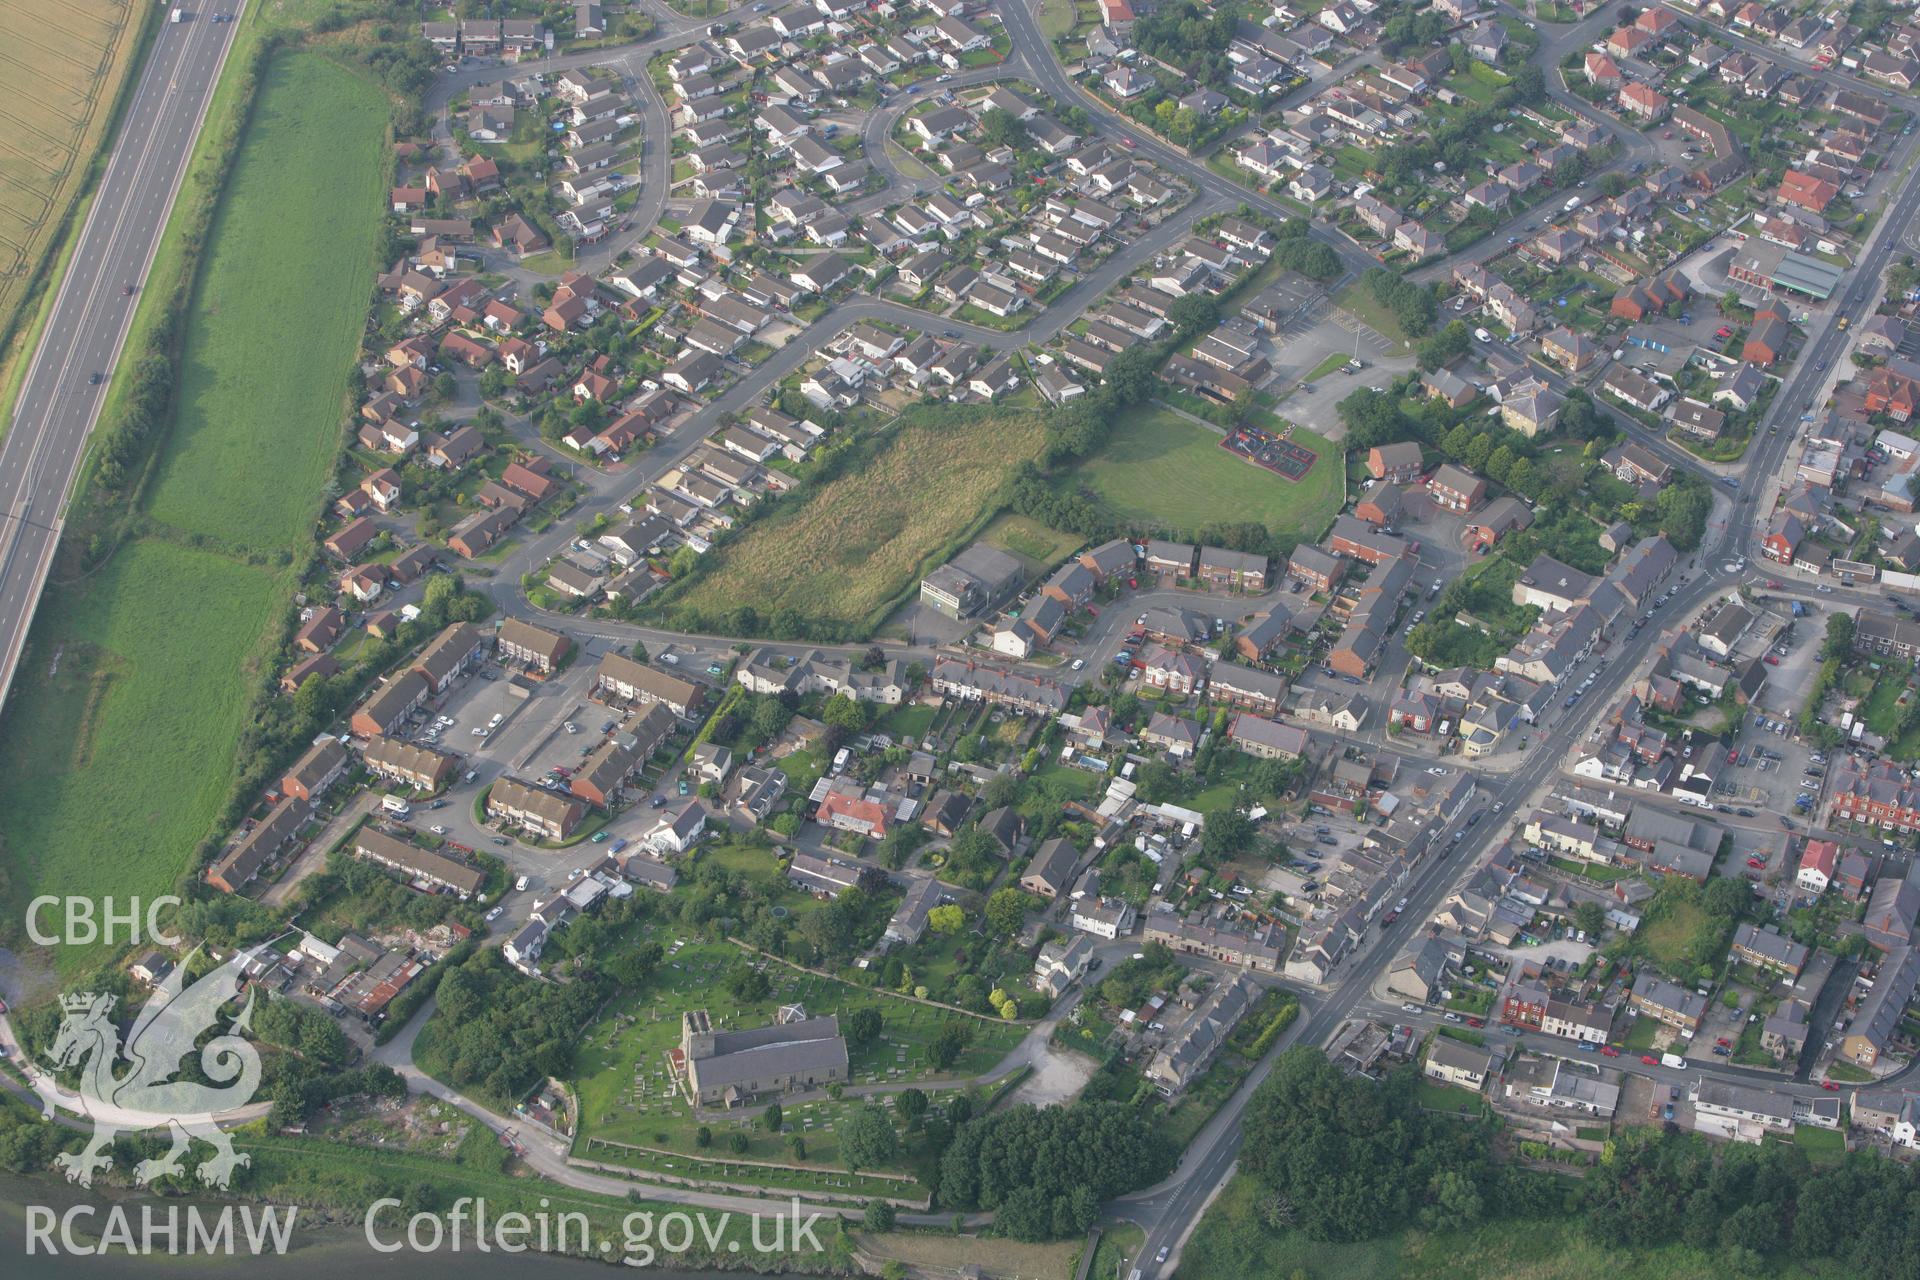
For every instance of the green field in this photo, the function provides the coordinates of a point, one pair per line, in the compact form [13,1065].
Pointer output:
[1027,538]
[278,313]
[845,551]
[1231,1244]
[1162,470]
[115,766]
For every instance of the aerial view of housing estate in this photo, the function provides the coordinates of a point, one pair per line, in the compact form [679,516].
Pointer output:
[1061,639]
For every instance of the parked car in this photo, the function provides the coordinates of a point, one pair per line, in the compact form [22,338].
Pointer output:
[1647,1059]
[1608,1051]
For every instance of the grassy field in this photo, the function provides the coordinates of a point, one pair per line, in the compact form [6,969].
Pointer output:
[1027,538]
[1664,939]
[1232,1245]
[852,546]
[1357,302]
[125,753]
[1162,470]
[263,375]
[64,63]
[942,1252]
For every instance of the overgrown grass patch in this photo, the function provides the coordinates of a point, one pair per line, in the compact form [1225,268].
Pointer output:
[278,313]
[119,739]
[844,552]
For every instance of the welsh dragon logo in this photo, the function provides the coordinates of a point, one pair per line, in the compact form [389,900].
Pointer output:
[148,1096]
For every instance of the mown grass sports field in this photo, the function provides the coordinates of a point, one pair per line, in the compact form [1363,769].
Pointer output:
[121,734]
[844,552]
[1161,470]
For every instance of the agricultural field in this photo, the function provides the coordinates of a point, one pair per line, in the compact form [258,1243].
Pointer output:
[263,376]
[123,756]
[844,552]
[61,64]
[631,1113]
[1163,470]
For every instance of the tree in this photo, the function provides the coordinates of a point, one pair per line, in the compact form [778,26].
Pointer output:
[912,1104]
[748,984]
[1839,641]
[1682,510]
[737,1141]
[1590,918]
[868,1139]
[1479,449]
[947,1044]
[842,712]
[1228,834]
[1444,347]
[879,1214]
[1000,128]
[639,652]
[947,918]
[772,1118]
[1520,476]
[1007,909]
[1193,314]
[862,1027]
[703,1137]
[1499,467]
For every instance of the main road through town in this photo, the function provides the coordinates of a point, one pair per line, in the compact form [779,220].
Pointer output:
[59,399]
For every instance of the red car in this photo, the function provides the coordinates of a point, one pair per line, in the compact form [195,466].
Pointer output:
[1772,661]
[1733,757]
[1774,583]
[1649,1060]
[1724,1043]
[1723,332]
[1830,1086]
[1476,1022]
[1755,863]
[1609,1051]
[1134,583]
